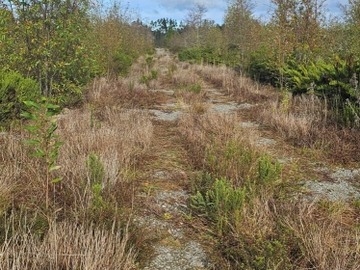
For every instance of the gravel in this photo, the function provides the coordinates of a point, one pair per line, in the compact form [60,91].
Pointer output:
[224,107]
[338,187]
[190,256]
[245,106]
[265,141]
[337,191]
[249,125]
[345,174]
[166,116]
[173,202]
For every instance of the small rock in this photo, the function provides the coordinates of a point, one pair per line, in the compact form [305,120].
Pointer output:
[245,106]
[265,141]
[166,116]
[249,125]
[345,174]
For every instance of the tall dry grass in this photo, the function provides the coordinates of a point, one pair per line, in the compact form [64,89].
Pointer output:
[67,246]
[327,236]
[308,121]
[127,92]
[118,137]
[269,228]
[301,119]
[240,87]
[75,231]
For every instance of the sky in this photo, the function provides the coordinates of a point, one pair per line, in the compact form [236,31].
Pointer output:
[149,10]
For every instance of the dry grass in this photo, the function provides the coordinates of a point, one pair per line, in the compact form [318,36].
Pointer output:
[241,88]
[127,92]
[307,121]
[68,246]
[185,77]
[299,119]
[271,233]
[218,144]
[74,232]
[328,239]
[118,137]
[269,230]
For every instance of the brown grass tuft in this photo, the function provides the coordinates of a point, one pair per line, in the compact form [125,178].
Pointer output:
[327,240]
[68,246]
[307,121]
[128,93]
[241,88]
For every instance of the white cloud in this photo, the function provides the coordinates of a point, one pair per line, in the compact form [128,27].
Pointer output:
[187,4]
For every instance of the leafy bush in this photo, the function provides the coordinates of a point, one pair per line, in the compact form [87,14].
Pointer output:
[324,78]
[122,62]
[335,80]
[262,68]
[220,203]
[14,89]
[198,55]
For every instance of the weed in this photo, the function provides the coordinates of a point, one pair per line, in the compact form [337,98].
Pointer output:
[220,203]
[44,141]
[194,88]
[146,79]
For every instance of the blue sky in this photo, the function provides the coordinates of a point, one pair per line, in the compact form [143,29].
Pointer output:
[177,9]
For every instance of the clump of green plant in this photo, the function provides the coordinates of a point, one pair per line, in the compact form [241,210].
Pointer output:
[194,88]
[149,61]
[232,159]
[96,180]
[14,90]
[220,203]
[146,79]
[44,142]
[122,63]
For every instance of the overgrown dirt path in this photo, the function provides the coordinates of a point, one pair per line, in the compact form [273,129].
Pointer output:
[175,243]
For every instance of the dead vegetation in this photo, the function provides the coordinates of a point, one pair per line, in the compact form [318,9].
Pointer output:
[85,224]
[246,203]
[241,88]
[67,246]
[252,209]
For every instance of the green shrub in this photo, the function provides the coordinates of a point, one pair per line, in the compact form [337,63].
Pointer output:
[336,80]
[122,63]
[96,169]
[199,55]
[96,178]
[194,88]
[262,67]
[221,203]
[146,79]
[14,89]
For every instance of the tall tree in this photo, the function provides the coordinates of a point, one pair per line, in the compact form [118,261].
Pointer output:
[194,21]
[241,29]
[352,19]
[50,37]
[164,29]
[297,28]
